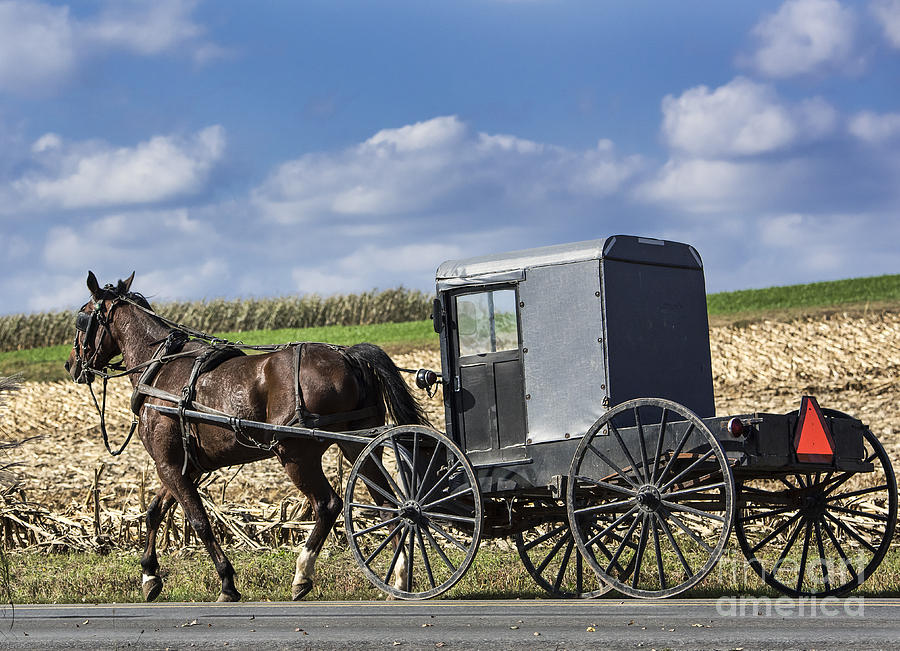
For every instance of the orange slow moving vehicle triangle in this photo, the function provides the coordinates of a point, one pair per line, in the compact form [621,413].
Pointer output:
[813,441]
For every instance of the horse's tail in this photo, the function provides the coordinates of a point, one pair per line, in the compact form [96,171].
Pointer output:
[402,406]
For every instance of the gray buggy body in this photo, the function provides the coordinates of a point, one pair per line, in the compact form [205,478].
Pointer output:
[537,344]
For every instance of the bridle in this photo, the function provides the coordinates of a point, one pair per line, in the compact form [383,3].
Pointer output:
[87,323]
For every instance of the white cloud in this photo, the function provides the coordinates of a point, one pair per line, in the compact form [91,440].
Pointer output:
[887,12]
[804,36]
[41,45]
[875,128]
[37,45]
[741,118]
[86,175]
[427,166]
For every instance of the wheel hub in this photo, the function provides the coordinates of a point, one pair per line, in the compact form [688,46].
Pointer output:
[649,499]
[411,511]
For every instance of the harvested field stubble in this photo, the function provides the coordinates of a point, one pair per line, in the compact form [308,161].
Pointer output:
[79,497]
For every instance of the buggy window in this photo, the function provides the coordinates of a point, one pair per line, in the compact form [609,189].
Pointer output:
[486,322]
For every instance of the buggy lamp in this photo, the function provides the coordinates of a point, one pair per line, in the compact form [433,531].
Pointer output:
[736,427]
[425,379]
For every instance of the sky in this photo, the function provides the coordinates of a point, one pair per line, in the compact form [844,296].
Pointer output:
[252,149]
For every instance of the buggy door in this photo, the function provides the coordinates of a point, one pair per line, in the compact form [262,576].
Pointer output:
[488,382]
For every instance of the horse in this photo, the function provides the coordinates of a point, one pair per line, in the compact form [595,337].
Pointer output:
[343,388]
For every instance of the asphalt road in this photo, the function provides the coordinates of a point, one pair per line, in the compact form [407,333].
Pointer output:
[740,623]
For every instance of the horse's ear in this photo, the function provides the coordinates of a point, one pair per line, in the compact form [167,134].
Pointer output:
[125,285]
[93,285]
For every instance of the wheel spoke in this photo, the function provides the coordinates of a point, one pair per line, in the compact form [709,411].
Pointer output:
[447,498]
[643,446]
[675,506]
[425,561]
[528,546]
[684,472]
[378,489]
[693,534]
[413,489]
[659,444]
[399,460]
[787,547]
[564,563]
[766,514]
[375,527]
[551,555]
[642,545]
[609,462]
[373,507]
[606,485]
[612,526]
[384,543]
[804,555]
[440,530]
[857,512]
[387,476]
[695,489]
[440,482]
[821,548]
[448,517]
[843,527]
[608,506]
[397,550]
[784,525]
[840,551]
[656,548]
[621,548]
[428,470]
[674,543]
[438,548]
[678,448]
[634,466]
[856,493]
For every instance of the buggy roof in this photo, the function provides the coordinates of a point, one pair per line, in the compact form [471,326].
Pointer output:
[510,267]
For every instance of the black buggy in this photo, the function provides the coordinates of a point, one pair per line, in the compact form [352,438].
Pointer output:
[581,421]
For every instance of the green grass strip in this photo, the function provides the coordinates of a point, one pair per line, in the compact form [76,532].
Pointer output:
[46,364]
[824,294]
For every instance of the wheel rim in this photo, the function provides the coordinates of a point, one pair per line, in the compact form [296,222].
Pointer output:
[822,533]
[550,555]
[413,494]
[650,498]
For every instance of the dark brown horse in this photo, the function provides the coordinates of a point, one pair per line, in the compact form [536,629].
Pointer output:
[332,381]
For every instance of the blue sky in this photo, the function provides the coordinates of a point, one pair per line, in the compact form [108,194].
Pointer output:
[225,149]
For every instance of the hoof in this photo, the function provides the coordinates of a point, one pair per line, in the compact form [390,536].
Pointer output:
[151,587]
[300,590]
[227,597]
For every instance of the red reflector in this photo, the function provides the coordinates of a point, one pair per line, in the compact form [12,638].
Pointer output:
[813,441]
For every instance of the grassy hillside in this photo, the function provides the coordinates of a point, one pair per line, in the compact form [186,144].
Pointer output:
[876,289]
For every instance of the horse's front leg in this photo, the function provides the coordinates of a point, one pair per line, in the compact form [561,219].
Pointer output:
[305,469]
[151,583]
[186,492]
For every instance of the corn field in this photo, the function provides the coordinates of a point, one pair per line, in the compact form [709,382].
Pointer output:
[23,331]
[69,494]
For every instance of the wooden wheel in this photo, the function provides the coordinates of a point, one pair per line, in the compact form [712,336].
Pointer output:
[819,533]
[549,554]
[412,512]
[650,498]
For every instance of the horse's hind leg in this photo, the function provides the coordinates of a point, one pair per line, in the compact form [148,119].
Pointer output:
[151,583]
[186,493]
[305,470]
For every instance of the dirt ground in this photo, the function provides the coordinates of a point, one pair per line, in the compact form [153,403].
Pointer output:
[849,361]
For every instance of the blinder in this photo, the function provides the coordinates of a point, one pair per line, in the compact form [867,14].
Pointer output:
[86,322]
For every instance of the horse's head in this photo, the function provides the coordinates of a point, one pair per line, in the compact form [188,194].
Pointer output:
[94,344]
